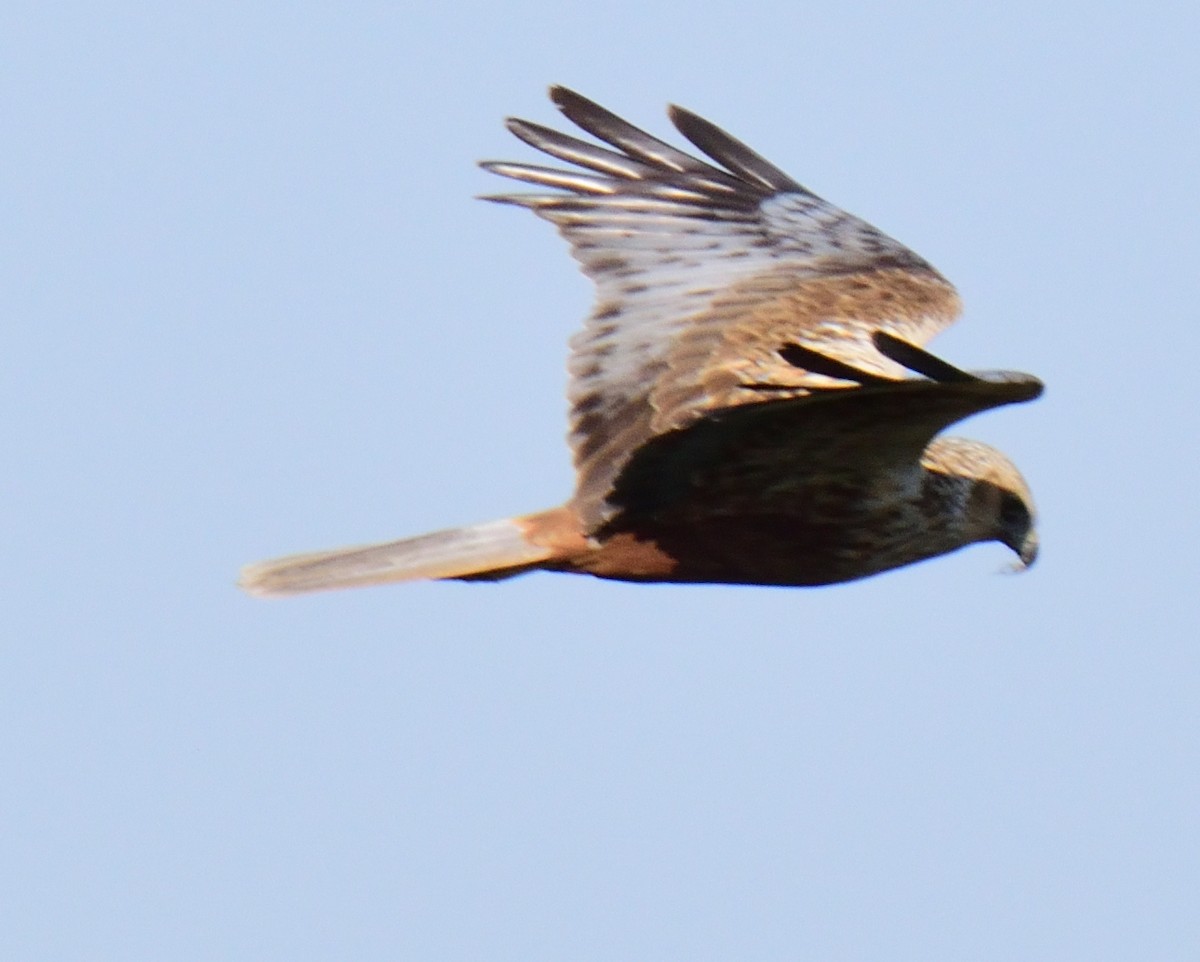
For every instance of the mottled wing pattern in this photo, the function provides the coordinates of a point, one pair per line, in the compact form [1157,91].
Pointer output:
[703,273]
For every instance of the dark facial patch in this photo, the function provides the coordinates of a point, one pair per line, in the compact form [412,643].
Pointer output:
[1014,513]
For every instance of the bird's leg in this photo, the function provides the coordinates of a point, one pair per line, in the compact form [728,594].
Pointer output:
[918,360]
[902,352]
[816,363]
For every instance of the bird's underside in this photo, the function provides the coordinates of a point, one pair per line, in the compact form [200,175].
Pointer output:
[751,400]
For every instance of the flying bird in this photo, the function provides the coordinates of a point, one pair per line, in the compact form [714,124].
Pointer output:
[751,400]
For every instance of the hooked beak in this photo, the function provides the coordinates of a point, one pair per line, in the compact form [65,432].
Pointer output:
[1027,550]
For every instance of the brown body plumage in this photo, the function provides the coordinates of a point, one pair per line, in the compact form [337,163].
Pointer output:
[744,405]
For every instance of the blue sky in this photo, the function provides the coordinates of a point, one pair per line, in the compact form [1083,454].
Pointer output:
[252,308]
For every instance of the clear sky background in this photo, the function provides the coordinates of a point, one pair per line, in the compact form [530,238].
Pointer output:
[250,307]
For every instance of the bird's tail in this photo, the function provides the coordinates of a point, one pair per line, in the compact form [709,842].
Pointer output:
[484,552]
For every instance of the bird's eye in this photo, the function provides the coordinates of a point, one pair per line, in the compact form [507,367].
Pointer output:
[1013,512]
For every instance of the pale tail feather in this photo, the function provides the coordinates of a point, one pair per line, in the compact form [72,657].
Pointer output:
[495,549]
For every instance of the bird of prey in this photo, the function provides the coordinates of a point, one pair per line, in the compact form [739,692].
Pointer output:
[751,402]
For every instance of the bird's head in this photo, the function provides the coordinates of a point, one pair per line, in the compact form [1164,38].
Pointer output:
[996,503]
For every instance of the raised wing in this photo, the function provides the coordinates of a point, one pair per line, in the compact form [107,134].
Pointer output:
[703,273]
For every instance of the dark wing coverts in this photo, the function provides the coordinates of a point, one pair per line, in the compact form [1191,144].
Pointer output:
[703,275]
